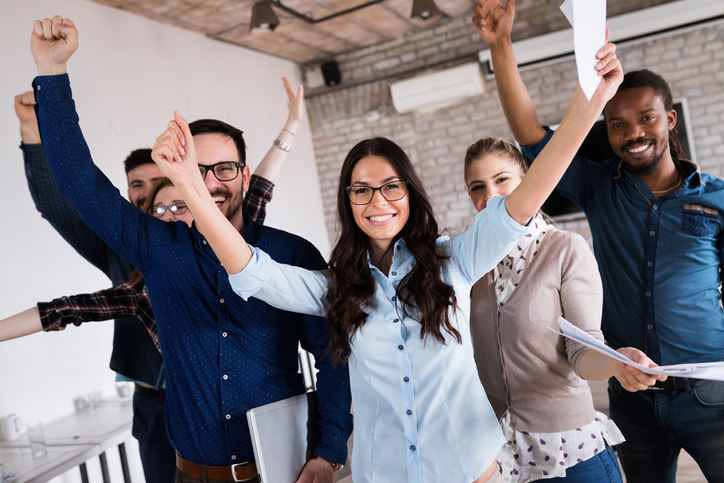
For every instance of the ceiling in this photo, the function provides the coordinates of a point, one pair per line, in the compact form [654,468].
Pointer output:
[293,39]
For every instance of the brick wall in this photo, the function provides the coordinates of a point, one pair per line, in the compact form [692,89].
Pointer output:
[436,141]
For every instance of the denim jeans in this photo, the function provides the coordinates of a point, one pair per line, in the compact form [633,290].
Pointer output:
[602,468]
[658,424]
[157,456]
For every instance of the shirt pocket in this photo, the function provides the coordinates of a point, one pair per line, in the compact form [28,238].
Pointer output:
[700,221]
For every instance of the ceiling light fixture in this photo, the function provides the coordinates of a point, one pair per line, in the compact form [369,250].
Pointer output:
[263,18]
[424,9]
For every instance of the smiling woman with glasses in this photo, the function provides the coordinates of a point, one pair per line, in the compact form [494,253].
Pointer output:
[397,296]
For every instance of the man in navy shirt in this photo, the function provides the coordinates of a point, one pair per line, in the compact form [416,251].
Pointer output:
[657,226]
[222,355]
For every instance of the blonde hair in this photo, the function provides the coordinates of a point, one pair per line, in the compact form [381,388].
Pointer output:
[482,147]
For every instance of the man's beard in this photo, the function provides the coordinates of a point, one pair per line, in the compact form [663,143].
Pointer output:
[649,169]
[232,209]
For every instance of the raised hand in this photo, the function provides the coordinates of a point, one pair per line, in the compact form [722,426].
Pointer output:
[295,103]
[631,378]
[174,152]
[493,21]
[25,110]
[610,69]
[52,43]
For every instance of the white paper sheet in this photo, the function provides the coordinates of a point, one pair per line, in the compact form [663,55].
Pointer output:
[588,19]
[707,370]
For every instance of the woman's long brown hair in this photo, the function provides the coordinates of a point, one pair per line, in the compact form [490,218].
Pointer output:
[352,283]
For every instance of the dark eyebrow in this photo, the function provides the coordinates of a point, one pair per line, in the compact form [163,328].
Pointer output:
[638,114]
[502,172]
[384,181]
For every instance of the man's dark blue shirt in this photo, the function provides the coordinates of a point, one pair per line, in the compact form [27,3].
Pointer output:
[659,258]
[222,355]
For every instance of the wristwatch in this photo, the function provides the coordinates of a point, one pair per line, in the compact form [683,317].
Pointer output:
[335,466]
[282,145]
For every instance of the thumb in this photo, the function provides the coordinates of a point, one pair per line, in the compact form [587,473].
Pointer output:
[510,6]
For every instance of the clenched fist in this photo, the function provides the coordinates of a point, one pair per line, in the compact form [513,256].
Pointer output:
[52,43]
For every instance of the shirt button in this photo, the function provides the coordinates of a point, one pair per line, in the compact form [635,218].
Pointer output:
[509,443]
[394,273]
[221,301]
[652,233]
[409,412]
[225,377]
[38,87]
[203,241]
[398,248]
[638,185]
[406,379]
[412,447]
[648,294]
[224,334]
[656,207]
[228,416]
[394,298]
[396,320]
[400,347]
[649,326]
[650,264]
[233,457]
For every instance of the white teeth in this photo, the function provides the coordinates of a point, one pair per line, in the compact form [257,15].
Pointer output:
[219,199]
[378,219]
[638,150]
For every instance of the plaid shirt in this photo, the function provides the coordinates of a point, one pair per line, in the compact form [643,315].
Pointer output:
[130,299]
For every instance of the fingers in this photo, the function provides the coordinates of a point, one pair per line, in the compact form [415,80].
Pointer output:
[168,146]
[25,99]
[55,29]
[288,87]
[184,127]
[608,34]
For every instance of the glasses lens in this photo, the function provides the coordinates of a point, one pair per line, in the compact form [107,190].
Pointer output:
[158,211]
[359,195]
[394,191]
[178,208]
[226,171]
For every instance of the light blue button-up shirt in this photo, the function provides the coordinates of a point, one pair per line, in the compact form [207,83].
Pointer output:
[421,414]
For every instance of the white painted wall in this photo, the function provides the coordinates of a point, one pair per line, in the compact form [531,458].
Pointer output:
[128,76]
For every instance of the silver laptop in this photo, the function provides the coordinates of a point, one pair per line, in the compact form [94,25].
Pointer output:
[284,435]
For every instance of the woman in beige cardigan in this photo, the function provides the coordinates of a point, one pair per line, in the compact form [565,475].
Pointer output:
[534,378]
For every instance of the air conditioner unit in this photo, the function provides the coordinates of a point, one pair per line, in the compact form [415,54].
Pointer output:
[437,88]
[648,22]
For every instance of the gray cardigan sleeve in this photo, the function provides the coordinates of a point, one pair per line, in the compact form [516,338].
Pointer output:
[581,296]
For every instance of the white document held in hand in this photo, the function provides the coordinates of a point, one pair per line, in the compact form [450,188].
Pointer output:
[706,370]
[588,19]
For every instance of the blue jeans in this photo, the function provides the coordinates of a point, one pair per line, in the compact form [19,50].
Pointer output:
[157,456]
[602,468]
[657,424]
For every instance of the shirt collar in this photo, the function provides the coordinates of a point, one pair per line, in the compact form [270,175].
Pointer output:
[251,231]
[692,172]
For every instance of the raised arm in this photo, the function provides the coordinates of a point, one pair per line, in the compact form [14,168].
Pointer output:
[50,202]
[175,154]
[553,161]
[494,23]
[272,162]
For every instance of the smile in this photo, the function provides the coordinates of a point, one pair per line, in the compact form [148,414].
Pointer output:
[380,219]
[219,200]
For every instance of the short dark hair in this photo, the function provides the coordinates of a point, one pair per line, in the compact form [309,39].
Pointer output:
[214,126]
[646,78]
[138,157]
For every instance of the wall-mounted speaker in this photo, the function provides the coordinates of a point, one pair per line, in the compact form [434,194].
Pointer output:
[330,71]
